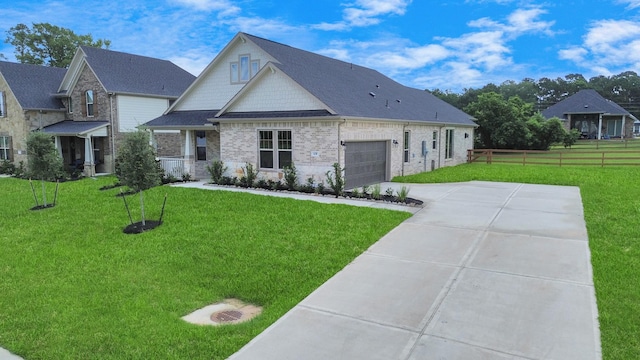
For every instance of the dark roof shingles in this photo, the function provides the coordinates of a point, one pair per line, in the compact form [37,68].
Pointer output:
[183,118]
[135,74]
[347,88]
[34,85]
[584,101]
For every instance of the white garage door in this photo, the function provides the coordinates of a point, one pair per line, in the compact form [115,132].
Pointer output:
[365,163]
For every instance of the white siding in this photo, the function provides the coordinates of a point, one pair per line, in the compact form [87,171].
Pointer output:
[134,111]
[276,92]
[215,89]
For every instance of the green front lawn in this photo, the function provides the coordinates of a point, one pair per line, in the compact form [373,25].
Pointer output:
[611,200]
[74,286]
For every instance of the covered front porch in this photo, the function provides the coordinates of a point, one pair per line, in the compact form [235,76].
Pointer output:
[199,142]
[601,125]
[83,145]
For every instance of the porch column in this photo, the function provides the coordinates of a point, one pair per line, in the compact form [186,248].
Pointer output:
[624,120]
[89,166]
[188,152]
[58,145]
[599,126]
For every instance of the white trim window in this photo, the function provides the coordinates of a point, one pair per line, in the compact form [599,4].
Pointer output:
[3,106]
[275,149]
[5,147]
[90,99]
[244,69]
[434,141]
[406,146]
[448,150]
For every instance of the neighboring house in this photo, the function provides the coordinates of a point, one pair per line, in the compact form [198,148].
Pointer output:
[106,94]
[593,116]
[26,104]
[272,105]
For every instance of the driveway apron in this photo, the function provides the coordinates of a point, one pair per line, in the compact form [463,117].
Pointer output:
[484,271]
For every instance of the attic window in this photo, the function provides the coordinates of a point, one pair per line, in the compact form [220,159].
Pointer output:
[3,111]
[243,69]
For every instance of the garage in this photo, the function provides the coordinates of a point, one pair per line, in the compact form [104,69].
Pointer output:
[365,163]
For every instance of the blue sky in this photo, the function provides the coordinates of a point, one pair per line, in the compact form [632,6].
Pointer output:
[449,44]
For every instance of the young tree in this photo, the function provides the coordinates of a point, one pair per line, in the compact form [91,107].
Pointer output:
[137,165]
[48,44]
[44,161]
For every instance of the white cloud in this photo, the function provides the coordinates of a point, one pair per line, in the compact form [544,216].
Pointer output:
[609,46]
[365,13]
[224,7]
[519,22]
[631,4]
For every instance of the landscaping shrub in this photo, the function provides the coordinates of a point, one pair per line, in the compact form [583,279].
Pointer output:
[336,180]
[216,171]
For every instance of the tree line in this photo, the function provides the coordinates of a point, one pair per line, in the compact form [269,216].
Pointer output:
[623,89]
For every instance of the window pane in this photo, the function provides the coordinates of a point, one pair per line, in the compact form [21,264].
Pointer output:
[244,68]
[89,109]
[2,111]
[90,97]
[266,159]
[266,140]
[284,140]
[255,66]
[70,105]
[234,72]
[284,159]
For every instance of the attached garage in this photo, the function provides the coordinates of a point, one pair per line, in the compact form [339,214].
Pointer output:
[365,163]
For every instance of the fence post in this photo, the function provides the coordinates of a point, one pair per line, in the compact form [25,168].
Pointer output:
[602,159]
[524,158]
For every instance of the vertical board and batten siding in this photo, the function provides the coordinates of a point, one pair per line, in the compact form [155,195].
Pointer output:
[134,111]
[215,90]
[276,92]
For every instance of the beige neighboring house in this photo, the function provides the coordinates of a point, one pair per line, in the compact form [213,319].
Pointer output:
[271,105]
[26,104]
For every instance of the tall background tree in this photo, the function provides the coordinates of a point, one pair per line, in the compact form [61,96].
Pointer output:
[46,44]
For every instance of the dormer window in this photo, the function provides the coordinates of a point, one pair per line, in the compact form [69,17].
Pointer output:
[89,95]
[244,69]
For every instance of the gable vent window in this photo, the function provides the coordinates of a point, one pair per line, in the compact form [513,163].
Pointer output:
[89,95]
[3,110]
[244,69]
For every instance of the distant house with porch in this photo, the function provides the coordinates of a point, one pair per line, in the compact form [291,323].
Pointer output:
[108,93]
[26,104]
[593,116]
[271,105]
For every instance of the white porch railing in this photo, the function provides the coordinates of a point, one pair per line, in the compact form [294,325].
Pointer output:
[173,166]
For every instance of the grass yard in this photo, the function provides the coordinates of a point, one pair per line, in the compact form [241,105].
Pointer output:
[74,286]
[611,200]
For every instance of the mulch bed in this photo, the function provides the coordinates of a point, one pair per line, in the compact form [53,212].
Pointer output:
[137,228]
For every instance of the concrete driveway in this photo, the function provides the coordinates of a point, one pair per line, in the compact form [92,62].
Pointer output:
[485,271]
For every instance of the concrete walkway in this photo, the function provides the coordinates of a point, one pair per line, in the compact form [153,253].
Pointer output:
[485,271]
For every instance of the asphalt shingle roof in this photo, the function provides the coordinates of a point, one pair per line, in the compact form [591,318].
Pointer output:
[72,128]
[135,74]
[34,85]
[183,118]
[582,102]
[352,90]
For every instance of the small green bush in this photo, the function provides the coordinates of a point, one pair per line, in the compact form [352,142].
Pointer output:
[402,194]
[291,176]
[250,175]
[216,171]
[376,192]
[336,180]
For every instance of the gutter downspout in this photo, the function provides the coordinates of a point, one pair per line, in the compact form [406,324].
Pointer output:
[344,121]
[113,141]
[404,129]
